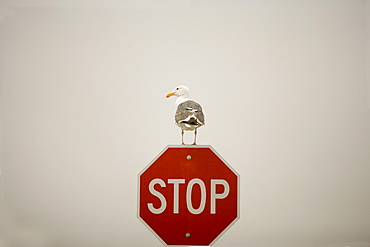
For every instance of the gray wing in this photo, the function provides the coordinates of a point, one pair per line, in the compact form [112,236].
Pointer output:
[187,109]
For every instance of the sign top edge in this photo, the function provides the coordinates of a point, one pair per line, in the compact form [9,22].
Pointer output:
[188,146]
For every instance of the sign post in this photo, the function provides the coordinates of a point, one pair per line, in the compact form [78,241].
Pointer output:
[188,196]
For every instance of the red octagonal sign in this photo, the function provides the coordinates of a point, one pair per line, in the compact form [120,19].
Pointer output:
[188,196]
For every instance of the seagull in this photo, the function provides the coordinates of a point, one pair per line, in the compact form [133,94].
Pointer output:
[189,115]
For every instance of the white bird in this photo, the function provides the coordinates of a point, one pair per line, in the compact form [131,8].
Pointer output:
[189,115]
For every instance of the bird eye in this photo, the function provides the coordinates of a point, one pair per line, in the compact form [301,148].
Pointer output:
[177,88]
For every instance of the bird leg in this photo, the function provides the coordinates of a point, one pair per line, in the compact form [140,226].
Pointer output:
[182,137]
[195,137]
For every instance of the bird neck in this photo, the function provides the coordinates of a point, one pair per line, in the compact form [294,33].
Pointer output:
[181,99]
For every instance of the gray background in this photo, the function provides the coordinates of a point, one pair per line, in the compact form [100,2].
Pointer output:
[284,90]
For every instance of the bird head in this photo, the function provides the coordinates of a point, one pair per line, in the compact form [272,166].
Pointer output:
[180,91]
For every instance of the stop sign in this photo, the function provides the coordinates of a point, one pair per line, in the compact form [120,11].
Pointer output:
[188,195]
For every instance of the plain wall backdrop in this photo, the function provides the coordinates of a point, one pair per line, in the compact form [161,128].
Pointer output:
[83,110]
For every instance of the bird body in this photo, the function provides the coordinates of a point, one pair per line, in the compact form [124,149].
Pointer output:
[189,114]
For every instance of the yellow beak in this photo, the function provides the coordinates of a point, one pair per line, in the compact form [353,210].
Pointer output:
[169,95]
